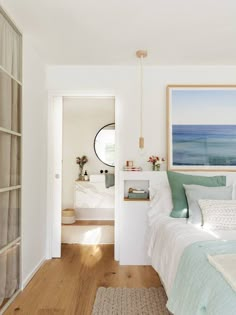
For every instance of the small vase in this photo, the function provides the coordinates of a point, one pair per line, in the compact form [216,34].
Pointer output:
[80,173]
[156,167]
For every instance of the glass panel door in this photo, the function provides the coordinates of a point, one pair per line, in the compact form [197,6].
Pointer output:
[10,159]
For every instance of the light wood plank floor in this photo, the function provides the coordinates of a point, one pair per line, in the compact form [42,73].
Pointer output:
[68,286]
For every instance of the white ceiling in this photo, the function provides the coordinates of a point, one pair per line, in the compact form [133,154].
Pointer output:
[108,32]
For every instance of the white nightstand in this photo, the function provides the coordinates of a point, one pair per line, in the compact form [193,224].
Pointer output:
[133,217]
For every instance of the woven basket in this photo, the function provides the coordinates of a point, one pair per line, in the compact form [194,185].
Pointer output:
[68,216]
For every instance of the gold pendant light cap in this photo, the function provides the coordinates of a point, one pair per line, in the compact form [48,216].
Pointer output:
[141,53]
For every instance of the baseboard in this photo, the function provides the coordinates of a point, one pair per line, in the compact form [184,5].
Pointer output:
[30,276]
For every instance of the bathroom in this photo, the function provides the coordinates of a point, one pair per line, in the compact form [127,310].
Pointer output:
[88,167]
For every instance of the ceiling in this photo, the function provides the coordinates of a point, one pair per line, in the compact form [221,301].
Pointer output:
[108,32]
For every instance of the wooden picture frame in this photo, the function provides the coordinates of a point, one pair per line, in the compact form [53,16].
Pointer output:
[201,127]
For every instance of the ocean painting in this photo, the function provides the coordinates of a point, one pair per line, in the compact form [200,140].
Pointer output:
[198,145]
[201,127]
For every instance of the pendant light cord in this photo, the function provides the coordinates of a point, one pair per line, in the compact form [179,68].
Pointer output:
[141,96]
[141,54]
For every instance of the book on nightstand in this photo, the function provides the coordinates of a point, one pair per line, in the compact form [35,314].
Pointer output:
[132,169]
[139,195]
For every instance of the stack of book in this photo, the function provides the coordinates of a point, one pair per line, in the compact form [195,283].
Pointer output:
[138,194]
[132,168]
[138,191]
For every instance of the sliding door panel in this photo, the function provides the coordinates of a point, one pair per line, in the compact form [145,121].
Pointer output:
[5,100]
[9,217]
[14,216]
[15,161]
[4,209]
[16,107]
[10,48]
[10,103]
[9,273]
[9,160]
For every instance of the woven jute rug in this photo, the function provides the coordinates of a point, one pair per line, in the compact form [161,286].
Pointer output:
[125,301]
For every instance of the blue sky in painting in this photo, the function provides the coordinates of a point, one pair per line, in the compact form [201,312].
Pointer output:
[208,106]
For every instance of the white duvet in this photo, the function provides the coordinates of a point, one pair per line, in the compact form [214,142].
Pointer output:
[168,239]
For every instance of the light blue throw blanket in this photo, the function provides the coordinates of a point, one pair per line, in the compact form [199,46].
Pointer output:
[199,288]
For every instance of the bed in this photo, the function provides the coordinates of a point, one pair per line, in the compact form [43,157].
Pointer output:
[175,246]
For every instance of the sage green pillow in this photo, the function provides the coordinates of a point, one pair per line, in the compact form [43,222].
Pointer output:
[177,180]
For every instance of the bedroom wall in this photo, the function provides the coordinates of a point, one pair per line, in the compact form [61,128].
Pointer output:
[82,118]
[34,168]
[123,83]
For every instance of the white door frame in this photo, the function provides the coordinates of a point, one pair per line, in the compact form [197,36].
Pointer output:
[54,180]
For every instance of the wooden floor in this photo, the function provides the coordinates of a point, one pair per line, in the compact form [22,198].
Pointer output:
[68,286]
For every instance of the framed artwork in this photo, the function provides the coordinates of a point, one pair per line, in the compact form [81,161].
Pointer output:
[201,127]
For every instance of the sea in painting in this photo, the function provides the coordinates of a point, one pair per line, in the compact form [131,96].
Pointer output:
[213,145]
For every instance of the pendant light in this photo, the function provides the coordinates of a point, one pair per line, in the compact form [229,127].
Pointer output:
[141,54]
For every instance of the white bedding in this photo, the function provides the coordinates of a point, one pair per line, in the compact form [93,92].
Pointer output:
[168,239]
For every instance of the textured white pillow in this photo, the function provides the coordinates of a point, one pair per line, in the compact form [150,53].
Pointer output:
[196,192]
[218,214]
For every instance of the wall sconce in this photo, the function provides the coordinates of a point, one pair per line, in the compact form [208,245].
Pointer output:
[141,54]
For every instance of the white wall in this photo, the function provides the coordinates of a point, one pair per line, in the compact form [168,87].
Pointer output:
[82,118]
[123,83]
[34,161]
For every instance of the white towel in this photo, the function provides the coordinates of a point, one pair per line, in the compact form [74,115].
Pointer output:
[226,265]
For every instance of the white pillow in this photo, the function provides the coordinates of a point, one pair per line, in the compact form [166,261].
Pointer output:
[196,192]
[218,214]
[160,203]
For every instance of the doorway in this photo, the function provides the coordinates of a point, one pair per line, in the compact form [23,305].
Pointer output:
[88,160]
[74,121]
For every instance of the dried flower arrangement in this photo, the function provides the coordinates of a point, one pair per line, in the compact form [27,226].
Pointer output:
[81,161]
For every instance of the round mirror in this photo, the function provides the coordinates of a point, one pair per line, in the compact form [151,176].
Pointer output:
[104,145]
